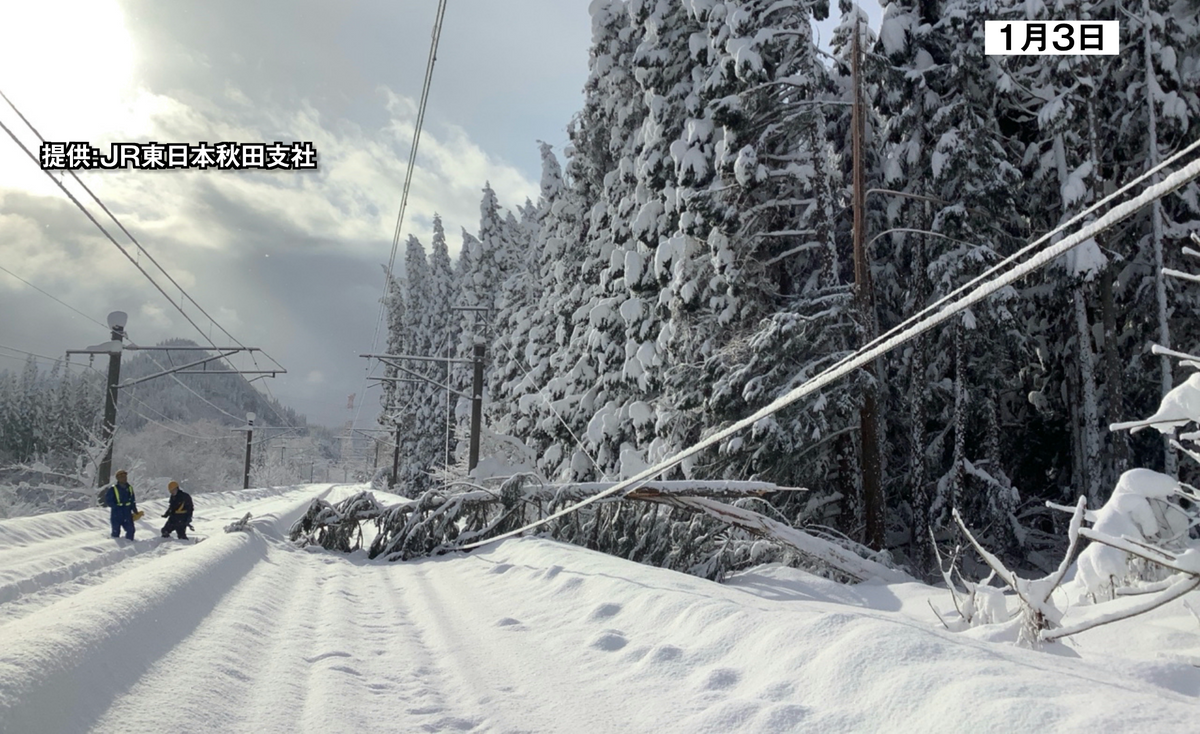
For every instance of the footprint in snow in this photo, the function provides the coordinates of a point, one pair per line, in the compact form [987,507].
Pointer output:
[784,717]
[426,710]
[721,678]
[637,654]
[604,611]
[451,723]
[610,641]
[666,653]
[778,692]
[509,622]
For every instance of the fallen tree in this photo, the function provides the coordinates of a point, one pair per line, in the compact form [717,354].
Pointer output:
[677,525]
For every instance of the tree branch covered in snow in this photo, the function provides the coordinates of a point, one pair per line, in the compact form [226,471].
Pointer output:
[1038,612]
[678,525]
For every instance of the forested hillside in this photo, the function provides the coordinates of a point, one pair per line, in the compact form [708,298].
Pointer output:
[689,260]
[224,399]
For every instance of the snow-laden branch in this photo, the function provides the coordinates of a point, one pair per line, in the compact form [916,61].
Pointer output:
[808,545]
[1179,588]
[1038,612]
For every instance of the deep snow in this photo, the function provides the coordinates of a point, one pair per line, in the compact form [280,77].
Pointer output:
[246,633]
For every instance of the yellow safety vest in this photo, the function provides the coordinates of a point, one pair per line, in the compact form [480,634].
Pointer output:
[117,495]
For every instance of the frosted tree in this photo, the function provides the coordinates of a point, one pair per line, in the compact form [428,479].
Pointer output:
[418,412]
[525,328]
[392,396]
[485,263]
[956,176]
[762,301]
[1160,112]
[626,318]
[559,364]
[589,355]
[444,325]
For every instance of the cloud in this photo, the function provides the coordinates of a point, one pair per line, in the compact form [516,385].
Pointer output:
[259,72]
[155,314]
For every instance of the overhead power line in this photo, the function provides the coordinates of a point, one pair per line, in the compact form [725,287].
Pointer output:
[412,163]
[41,356]
[867,354]
[142,250]
[189,389]
[53,297]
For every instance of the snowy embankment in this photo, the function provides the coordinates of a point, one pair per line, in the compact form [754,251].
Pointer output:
[246,633]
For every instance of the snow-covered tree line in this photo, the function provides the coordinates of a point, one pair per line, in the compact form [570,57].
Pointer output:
[46,415]
[167,428]
[689,259]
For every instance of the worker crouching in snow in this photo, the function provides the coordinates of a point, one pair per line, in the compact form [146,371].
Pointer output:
[122,506]
[179,512]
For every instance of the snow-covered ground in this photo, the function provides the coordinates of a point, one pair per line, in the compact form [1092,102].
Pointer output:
[244,632]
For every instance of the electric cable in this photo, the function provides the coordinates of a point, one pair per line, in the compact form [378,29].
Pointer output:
[866,354]
[412,162]
[55,298]
[124,251]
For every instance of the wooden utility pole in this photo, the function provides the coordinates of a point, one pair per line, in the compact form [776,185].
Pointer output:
[395,458]
[869,463]
[476,406]
[116,322]
[249,433]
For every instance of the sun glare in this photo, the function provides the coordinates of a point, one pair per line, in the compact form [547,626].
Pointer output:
[68,66]
[65,55]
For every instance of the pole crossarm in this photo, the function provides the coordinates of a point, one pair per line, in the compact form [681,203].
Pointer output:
[391,361]
[134,347]
[272,373]
[419,378]
[398,379]
[416,357]
[131,383]
[112,347]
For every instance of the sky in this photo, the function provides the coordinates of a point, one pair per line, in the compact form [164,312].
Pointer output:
[288,261]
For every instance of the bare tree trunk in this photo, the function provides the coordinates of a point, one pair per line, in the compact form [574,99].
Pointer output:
[922,500]
[1156,219]
[1118,453]
[960,415]
[1091,416]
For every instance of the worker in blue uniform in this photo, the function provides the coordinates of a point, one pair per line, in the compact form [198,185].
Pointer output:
[122,505]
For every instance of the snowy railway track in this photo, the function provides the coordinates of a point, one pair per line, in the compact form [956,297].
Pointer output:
[130,619]
[245,632]
[500,660]
[44,559]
